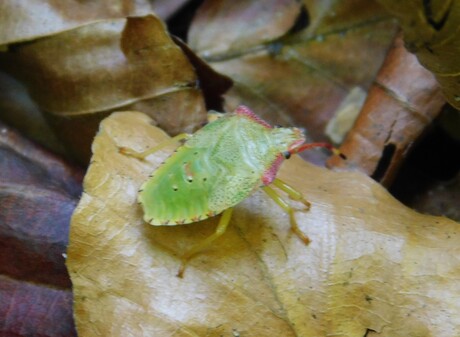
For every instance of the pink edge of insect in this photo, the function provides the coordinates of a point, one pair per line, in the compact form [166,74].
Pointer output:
[270,174]
[245,111]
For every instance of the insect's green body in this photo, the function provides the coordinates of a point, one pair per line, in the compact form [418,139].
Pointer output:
[217,168]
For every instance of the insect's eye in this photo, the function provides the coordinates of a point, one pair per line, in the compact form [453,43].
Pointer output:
[287,154]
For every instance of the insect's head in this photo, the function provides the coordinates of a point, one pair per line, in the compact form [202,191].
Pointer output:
[287,139]
[292,141]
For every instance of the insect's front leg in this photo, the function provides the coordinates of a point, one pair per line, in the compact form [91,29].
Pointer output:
[291,192]
[220,229]
[214,115]
[144,154]
[284,205]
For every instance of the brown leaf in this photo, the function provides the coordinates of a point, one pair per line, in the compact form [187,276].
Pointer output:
[403,101]
[300,72]
[104,66]
[431,32]
[373,264]
[38,193]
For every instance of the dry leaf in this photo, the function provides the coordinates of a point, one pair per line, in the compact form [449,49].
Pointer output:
[374,266]
[431,32]
[38,193]
[104,66]
[29,309]
[402,103]
[245,24]
[293,63]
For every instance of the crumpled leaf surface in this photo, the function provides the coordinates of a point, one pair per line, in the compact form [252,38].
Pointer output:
[38,193]
[374,266]
[300,66]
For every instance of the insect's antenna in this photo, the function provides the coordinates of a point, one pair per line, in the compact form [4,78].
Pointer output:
[309,146]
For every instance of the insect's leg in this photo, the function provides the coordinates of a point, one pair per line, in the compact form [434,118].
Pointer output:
[284,205]
[142,155]
[291,192]
[214,115]
[220,229]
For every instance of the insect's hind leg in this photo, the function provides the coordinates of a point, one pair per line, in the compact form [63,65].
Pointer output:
[220,229]
[284,205]
[142,155]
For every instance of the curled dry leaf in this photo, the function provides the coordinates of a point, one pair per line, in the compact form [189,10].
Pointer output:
[293,61]
[431,31]
[373,265]
[38,193]
[78,77]
[402,102]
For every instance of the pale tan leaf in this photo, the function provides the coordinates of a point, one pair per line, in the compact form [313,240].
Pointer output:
[373,264]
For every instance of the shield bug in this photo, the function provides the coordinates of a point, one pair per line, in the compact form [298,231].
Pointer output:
[218,167]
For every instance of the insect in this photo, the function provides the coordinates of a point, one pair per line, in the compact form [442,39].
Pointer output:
[218,167]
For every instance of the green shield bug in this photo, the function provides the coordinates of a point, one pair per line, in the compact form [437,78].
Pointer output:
[218,167]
